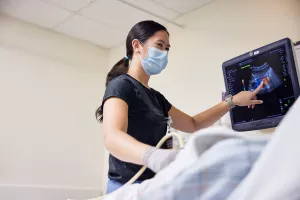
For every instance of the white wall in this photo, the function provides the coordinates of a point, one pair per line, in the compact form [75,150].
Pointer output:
[51,145]
[215,33]
[193,80]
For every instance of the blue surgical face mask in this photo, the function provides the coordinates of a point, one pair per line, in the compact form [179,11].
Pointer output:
[155,62]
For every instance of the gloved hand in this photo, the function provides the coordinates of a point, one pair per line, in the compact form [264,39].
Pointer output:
[157,159]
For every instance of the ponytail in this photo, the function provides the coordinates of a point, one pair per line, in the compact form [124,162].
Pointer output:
[118,69]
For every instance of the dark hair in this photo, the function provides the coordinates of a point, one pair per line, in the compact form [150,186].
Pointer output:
[141,31]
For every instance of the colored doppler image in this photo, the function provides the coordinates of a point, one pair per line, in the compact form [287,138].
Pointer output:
[263,73]
[277,93]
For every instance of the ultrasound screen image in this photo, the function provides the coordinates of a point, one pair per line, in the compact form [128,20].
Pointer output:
[277,93]
[266,74]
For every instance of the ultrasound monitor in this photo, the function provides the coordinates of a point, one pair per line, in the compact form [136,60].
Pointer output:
[275,65]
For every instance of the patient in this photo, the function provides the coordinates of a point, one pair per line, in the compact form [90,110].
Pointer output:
[219,164]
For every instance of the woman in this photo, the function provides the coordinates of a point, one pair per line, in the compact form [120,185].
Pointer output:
[135,117]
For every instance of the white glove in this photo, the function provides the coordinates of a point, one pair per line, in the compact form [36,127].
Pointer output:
[157,159]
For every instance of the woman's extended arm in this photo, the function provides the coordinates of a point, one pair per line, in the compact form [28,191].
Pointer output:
[186,123]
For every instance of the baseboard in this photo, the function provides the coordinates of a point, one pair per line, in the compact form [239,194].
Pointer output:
[37,192]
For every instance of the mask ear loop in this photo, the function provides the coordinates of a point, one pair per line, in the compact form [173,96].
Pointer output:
[143,45]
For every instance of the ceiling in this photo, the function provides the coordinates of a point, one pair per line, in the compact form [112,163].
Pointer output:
[102,22]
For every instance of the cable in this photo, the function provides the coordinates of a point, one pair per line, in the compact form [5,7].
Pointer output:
[139,173]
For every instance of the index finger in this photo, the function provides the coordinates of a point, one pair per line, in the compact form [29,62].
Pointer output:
[258,89]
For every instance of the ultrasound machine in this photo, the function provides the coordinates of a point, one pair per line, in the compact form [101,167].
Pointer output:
[274,64]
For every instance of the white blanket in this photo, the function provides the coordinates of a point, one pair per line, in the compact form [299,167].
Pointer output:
[275,175]
[208,154]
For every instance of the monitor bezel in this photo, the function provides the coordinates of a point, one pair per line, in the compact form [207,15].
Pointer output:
[269,122]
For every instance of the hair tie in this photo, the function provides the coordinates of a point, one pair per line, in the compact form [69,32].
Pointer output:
[126,57]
